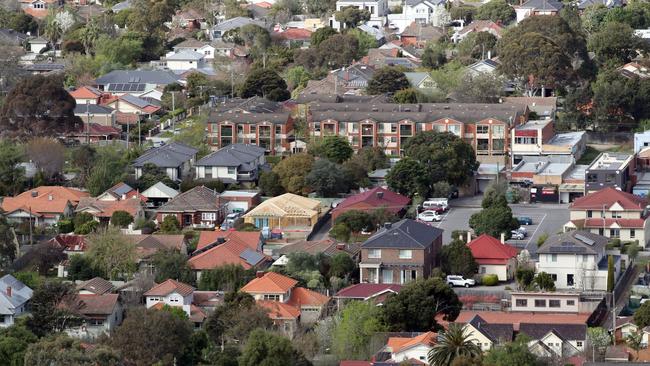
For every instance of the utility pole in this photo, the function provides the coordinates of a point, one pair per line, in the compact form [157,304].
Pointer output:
[139,131]
[128,123]
[87,122]
[30,226]
[173,109]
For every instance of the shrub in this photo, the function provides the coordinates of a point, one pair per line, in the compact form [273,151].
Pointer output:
[86,228]
[65,226]
[81,218]
[542,239]
[170,225]
[490,280]
[121,219]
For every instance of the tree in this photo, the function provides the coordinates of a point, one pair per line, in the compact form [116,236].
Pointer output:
[112,253]
[634,340]
[319,7]
[81,268]
[525,277]
[266,83]
[615,43]
[335,148]
[355,326]
[418,303]
[366,41]
[457,258]
[495,218]
[228,278]
[498,11]
[387,80]
[327,179]
[321,34]
[545,281]
[264,348]
[351,16]
[372,158]
[434,57]
[292,172]
[598,339]
[61,349]
[269,184]
[47,317]
[481,88]
[512,353]
[170,225]
[108,169]
[47,154]
[38,106]
[406,96]
[8,243]
[13,344]
[477,46]
[610,273]
[148,336]
[341,232]
[341,265]
[152,174]
[236,318]
[121,219]
[119,50]
[356,220]
[642,315]
[171,264]
[297,77]
[407,178]
[338,50]
[453,343]
[12,176]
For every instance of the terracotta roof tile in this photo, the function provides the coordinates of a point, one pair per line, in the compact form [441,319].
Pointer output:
[249,238]
[608,197]
[627,223]
[516,318]
[398,344]
[230,252]
[301,296]
[279,310]
[271,283]
[100,208]
[367,290]
[393,202]
[44,200]
[97,304]
[85,92]
[489,250]
[169,286]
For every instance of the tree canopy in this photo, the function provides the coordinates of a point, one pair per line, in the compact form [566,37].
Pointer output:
[498,11]
[354,328]
[292,171]
[387,80]
[457,258]
[266,83]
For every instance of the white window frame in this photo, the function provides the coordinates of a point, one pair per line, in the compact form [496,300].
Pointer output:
[208,216]
[405,254]
[374,253]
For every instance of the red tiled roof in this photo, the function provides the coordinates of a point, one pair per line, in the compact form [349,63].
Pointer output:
[278,310]
[489,250]
[36,13]
[608,197]
[367,290]
[293,34]
[228,253]
[270,283]
[301,296]
[393,202]
[515,318]
[169,286]
[107,208]
[70,242]
[126,118]
[97,129]
[264,4]
[85,92]
[608,222]
[249,238]
[398,344]
[43,200]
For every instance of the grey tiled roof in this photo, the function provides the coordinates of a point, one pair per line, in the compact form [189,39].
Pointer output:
[404,234]
[542,5]
[10,36]
[196,199]
[574,242]
[171,155]
[233,156]
[495,332]
[236,22]
[138,102]
[158,77]
[236,117]
[571,332]
[92,109]
[97,285]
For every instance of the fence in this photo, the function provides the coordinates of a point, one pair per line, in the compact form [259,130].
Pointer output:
[319,224]
[599,315]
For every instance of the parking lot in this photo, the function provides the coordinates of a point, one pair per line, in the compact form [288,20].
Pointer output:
[547,218]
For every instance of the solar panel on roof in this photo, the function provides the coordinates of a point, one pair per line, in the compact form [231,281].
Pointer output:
[251,257]
[584,239]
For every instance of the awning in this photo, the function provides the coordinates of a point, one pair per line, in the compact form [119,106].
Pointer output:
[572,187]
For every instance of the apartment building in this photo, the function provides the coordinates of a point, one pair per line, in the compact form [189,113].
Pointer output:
[614,170]
[538,138]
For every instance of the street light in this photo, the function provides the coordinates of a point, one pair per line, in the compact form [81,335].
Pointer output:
[139,130]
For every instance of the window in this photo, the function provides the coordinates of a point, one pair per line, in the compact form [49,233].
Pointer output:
[208,216]
[374,253]
[553,257]
[589,213]
[553,303]
[540,303]
[610,178]
[273,297]
[482,128]
[521,302]
[585,258]
[455,129]
[482,144]
[592,178]
[439,128]
[405,254]
[278,129]
[554,277]
[393,139]
[614,233]
[570,303]
[632,233]
[616,215]
[387,276]
[96,322]
[393,127]
[579,343]
[497,130]
[498,144]
[569,280]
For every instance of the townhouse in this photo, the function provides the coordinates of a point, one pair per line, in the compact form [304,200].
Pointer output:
[610,170]
[270,131]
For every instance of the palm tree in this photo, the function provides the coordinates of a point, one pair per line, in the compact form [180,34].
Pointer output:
[453,343]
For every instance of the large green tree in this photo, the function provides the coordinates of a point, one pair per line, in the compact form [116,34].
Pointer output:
[406,178]
[356,325]
[457,258]
[351,16]
[172,264]
[12,176]
[61,349]
[495,218]
[268,349]
[229,278]
[418,303]
[292,172]
[498,11]
[46,315]
[334,148]
[266,83]
[327,179]
[453,343]
[236,318]
[512,353]
[387,80]
[13,344]
[112,252]
[616,43]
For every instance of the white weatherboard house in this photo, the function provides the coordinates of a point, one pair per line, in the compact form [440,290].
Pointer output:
[576,260]
[14,296]
[171,293]
[378,10]
[232,164]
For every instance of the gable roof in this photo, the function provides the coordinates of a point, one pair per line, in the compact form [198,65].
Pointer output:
[97,286]
[169,155]
[69,242]
[89,305]
[94,109]
[301,296]
[170,286]
[185,55]
[140,103]
[158,77]
[288,204]
[279,310]
[423,32]
[44,199]
[574,242]
[366,291]
[377,197]
[404,234]
[482,26]
[85,92]
[608,197]
[416,78]
[400,344]
[191,43]
[160,190]
[99,208]
[199,198]
[237,248]
[569,332]
[327,246]
[233,155]
[270,283]
[542,5]
[119,190]
[489,250]
[20,294]
[495,332]
[236,22]
[147,245]
[249,238]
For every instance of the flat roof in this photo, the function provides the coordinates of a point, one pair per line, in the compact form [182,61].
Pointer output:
[534,125]
[555,169]
[566,139]
[578,172]
[239,193]
[528,167]
[642,178]
[490,168]
[611,161]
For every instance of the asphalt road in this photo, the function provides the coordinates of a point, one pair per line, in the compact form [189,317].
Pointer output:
[547,218]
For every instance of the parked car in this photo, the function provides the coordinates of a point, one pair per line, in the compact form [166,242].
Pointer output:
[458,280]
[436,208]
[229,222]
[523,230]
[517,235]
[442,202]
[524,220]
[429,216]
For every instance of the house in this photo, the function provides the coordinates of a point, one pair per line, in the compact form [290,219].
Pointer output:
[39,8]
[288,305]
[147,245]
[100,314]
[625,326]
[293,37]
[44,205]
[610,170]
[378,10]
[426,12]
[200,207]
[403,349]
[241,201]
[641,140]
[352,79]
[218,248]
[235,163]
[268,130]
[158,194]
[120,191]
[208,50]
[287,211]
[478,26]
[233,23]
[133,107]
[14,299]
[134,82]
[68,244]
[486,66]
[537,7]
[102,210]
[400,252]
[488,335]
[95,114]
[555,340]
[576,260]
[95,286]
[538,138]
[611,213]
[374,199]
[86,95]
[170,292]
[633,70]
[375,292]
[418,34]
[184,60]
[421,81]
[174,158]
[188,18]
[494,257]
[558,302]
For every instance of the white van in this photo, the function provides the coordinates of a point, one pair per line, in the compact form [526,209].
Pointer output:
[441,202]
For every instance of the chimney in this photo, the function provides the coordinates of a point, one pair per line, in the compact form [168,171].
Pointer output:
[50,198]
[380,194]
[388,225]
[469,237]
[34,193]
[489,55]
[340,246]
[503,238]
[9,291]
[259,274]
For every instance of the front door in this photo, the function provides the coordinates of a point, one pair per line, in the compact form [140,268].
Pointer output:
[386,276]
[569,280]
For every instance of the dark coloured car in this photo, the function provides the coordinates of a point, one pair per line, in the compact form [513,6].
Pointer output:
[523,220]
